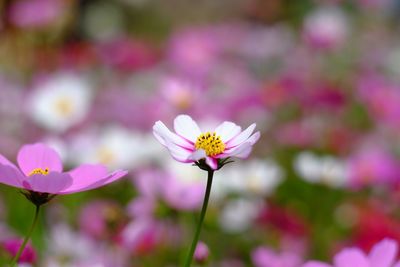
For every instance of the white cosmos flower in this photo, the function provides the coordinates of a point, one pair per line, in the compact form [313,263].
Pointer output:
[189,144]
[114,147]
[321,169]
[60,102]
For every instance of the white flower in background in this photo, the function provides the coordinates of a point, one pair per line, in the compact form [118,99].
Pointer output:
[259,177]
[115,147]
[326,27]
[321,169]
[239,214]
[64,244]
[60,102]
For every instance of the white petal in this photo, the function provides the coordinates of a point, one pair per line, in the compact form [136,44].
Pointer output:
[227,130]
[242,137]
[254,138]
[197,155]
[178,153]
[212,163]
[186,127]
[162,133]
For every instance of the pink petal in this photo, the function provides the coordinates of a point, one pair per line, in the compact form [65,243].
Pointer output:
[10,175]
[52,183]
[351,257]
[163,134]
[38,155]
[242,151]
[315,264]
[213,163]
[87,174]
[5,161]
[383,254]
[242,137]
[96,183]
[227,130]
[397,264]
[254,138]
[186,127]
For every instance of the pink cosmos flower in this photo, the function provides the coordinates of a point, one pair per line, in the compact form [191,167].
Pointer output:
[383,254]
[40,172]
[12,245]
[206,149]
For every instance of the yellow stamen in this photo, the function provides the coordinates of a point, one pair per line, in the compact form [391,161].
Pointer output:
[64,106]
[39,171]
[211,143]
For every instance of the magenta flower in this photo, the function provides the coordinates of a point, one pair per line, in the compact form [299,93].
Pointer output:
[41,173]
[190,145]
[12,245]
[383,254]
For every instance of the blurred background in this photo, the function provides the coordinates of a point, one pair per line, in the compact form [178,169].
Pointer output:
[319,77]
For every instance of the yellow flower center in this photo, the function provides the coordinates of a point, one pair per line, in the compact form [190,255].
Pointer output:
[211,143]
[39,171]
[64,106]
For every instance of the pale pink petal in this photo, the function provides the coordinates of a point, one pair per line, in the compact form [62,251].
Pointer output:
[38,155]
[242,151]
[315,264]
[52,183]
[227,130]
[10,175]
[213,163]
[254,138]
[96,183]
[197,155]
[383,254]
[162,133]
[178,153]
[242,137]
[351,257]
[186,127]
[5,161]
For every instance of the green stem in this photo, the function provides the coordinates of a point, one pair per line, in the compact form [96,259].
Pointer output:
[200,223]
[22,247]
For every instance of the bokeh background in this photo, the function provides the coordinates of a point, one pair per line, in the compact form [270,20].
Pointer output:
[319,77]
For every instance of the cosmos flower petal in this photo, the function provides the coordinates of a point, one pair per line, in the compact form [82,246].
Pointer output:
[242,151]
[52,183]
[85,175]
[316,264]
[254,138]
[162,132]
[5,161]
[38,155]
[10,175]
[397,264]
[178,153]
[186,127]
[242,137]
[351,257]
[383,254]
[227,130]
[96,183]
[197,155]
[213,163]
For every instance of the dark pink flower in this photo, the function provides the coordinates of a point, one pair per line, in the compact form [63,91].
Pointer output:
[12,246]
[41,173]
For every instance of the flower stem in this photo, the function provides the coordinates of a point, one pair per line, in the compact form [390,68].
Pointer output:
[200,223]
[22,247]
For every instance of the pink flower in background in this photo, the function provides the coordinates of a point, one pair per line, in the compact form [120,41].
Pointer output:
[12,245]
[383,254]
[372,166]
[35,13]
[40,171]
[265,257]
[202,252]
[190,145]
